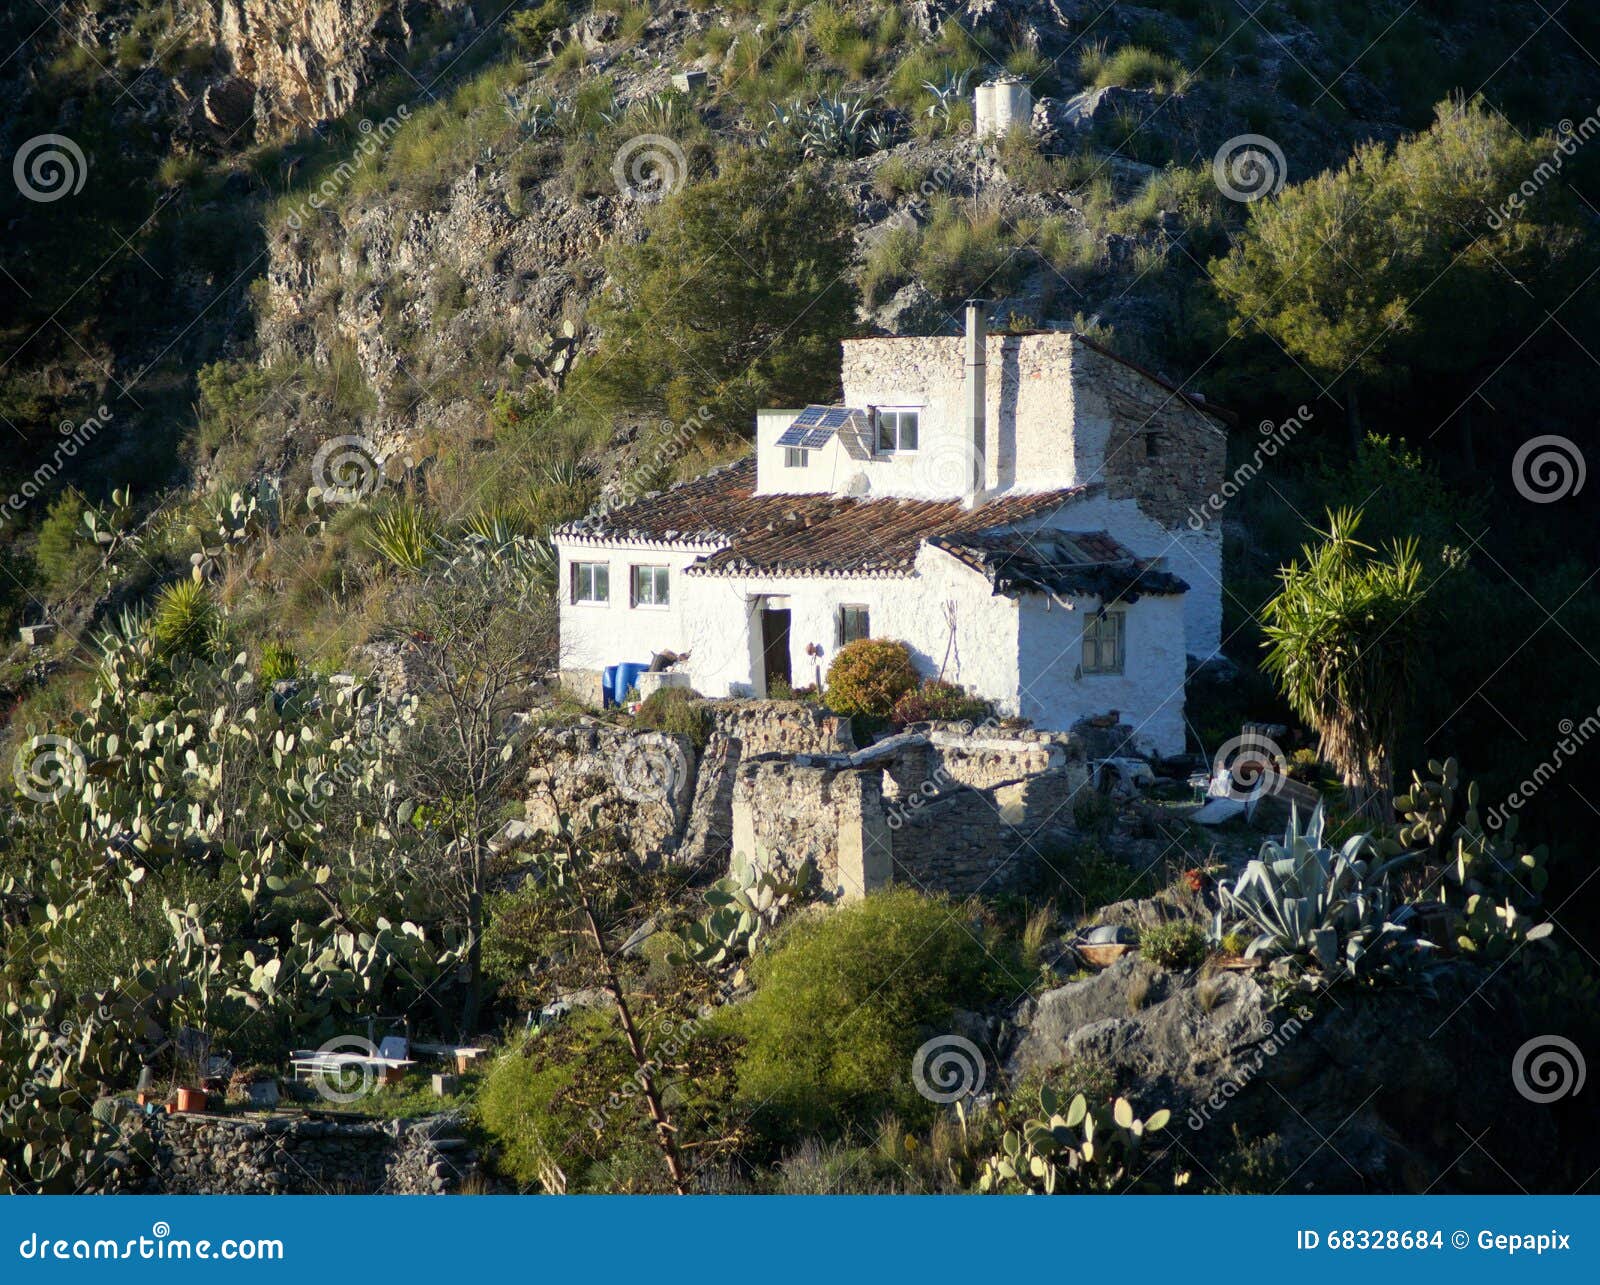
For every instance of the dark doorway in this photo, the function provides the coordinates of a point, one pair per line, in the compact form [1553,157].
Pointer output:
[775,646]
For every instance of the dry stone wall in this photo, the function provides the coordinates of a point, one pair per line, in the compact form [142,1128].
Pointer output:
[291,1155]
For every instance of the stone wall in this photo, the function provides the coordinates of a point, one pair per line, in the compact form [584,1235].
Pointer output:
[642,783]
[296,1155]
[745,730]
[939,809]
[981,840]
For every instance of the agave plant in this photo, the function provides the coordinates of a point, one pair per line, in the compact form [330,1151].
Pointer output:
[1305,900]
[950,90]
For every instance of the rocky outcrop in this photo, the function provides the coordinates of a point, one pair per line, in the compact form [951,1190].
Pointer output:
[303,63]
[1385,1084]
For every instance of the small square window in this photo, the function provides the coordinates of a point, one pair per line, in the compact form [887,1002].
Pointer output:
[796,457]
[854,623]
[591,582]
[897,430]
[1103,643]
[649,586]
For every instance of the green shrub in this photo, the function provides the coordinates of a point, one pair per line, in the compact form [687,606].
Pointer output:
[403,535]
[869,675]
[538,1103]
[1177,945]
[843,1000]
[1132,67]
[937,699]
[678,710]
[63,555]
[186,621]
[532,28]
[278,662]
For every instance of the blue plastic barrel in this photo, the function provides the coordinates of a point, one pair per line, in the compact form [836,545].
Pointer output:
[608,685]
[628,677]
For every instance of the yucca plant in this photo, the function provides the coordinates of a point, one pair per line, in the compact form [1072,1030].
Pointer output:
[186,621]
[404,535]
[1344,637]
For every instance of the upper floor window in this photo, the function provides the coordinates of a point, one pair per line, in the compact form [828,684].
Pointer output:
[796,457]
[591,582]
[1104,639]
[649,586]
[897,430]
[854,623]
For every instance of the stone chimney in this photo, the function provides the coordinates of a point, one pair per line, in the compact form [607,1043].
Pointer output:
[976,396]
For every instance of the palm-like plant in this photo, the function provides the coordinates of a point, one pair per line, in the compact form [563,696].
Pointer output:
[1343,638]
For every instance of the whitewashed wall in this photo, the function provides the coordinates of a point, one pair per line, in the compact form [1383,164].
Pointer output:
[725,636]
[1195,556]
[1055,693]
[593,637]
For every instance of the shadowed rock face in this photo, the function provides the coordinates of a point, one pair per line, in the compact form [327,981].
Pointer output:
[1364,1090]
[306,62]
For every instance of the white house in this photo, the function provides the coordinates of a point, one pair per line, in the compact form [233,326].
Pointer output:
[1023,511]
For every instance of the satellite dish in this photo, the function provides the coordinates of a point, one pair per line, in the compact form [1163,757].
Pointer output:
[857,485]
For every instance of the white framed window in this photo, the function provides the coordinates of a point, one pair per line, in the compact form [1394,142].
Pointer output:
[897,430]
[591,582]
[1104,643]
[855,622]
[796,457]
[649,586]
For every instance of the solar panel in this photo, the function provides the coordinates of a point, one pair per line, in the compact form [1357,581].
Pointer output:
[816,425]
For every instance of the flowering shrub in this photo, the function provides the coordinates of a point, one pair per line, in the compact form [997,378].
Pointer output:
[937,699]
[869,675]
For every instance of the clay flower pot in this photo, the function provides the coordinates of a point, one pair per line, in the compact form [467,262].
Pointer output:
[191,1100]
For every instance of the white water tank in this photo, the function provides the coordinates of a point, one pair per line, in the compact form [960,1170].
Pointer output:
[1001,103]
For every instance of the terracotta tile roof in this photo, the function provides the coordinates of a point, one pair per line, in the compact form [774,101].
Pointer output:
[824,535]
[1089,563]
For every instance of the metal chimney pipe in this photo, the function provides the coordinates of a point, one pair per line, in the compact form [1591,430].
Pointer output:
[976,390]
